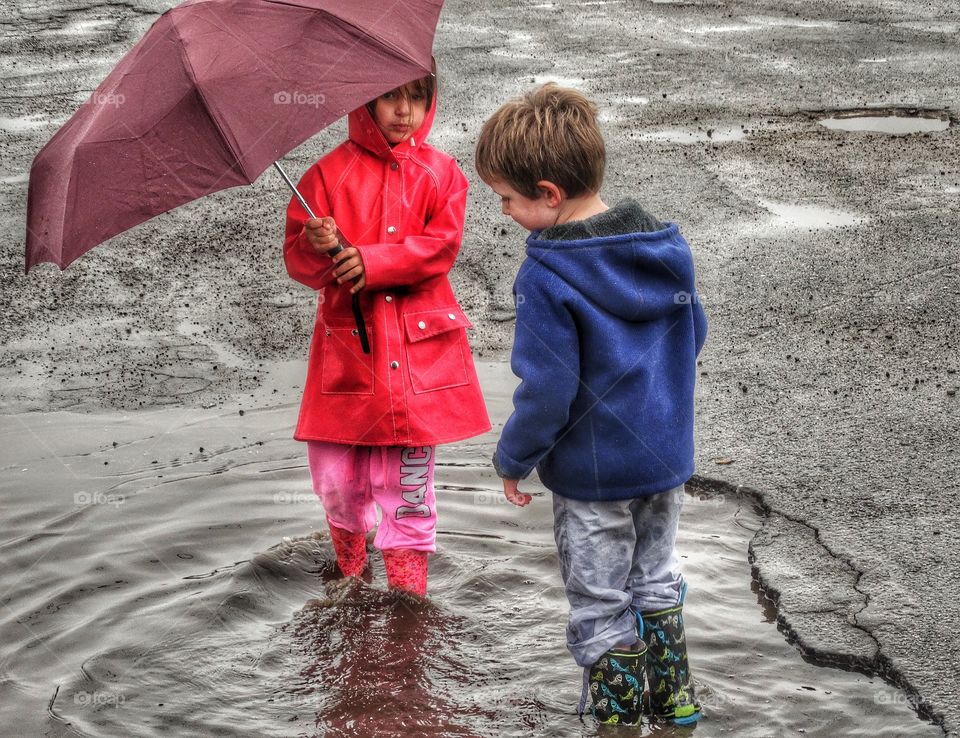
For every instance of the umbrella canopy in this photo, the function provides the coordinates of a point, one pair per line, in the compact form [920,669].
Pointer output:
[208,99]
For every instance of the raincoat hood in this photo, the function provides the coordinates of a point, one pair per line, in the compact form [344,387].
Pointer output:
[635,276]
[362,129]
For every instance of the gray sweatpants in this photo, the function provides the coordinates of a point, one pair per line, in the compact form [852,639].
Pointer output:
[616,558]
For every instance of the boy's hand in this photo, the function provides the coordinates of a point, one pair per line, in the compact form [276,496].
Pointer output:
[514,495]
[350,267]
[322,234]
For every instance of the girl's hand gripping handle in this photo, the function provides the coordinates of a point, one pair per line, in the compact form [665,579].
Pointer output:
[322,235]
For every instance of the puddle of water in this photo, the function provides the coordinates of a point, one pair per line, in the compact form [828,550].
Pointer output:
[809,216]
[180,588]
[576,82]
[83,27]
[519,37]
[26,123]
[896,125]
[933,26]
[734,28]
[80,28]
[762,20]
[512,53]
[758,22]
[633,100]
[691,135]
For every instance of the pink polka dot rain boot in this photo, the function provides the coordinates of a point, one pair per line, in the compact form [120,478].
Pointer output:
[351,550]
[406,570]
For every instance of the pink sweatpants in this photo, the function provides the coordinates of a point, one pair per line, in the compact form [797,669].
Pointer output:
[350,479]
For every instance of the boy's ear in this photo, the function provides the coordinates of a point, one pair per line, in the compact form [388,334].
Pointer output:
[554,194]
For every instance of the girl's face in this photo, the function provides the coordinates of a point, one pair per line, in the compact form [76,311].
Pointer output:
[399,113]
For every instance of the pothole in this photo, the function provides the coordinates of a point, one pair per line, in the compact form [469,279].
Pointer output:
[809,216]
[892,121]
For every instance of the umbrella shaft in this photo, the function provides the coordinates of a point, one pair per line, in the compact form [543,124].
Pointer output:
[293,187]
[336,249]
[357,312]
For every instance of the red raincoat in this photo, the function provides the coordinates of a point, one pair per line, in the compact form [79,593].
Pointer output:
[403,208]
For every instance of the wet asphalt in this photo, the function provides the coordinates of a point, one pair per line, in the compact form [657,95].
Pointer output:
[827,262]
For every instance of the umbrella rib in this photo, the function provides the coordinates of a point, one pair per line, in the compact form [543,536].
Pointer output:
[225,133]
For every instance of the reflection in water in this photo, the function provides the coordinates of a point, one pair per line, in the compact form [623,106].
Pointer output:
[372,662]
[767,606]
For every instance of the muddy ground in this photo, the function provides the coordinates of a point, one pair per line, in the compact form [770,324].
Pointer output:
[827,262]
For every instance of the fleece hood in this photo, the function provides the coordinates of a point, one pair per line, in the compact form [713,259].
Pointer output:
[636,276]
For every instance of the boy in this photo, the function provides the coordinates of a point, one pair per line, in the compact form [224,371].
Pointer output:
[608,330]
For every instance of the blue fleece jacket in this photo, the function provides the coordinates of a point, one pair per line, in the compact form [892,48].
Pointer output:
[607,334]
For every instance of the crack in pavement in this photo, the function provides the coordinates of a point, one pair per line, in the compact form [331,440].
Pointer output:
[794,623]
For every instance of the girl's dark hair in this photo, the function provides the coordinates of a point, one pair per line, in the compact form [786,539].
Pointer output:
[426,86]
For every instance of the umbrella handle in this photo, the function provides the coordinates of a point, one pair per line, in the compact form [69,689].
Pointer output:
[361,325]
[355,302]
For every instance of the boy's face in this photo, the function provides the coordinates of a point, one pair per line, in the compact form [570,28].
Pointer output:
[534,215]
[399,113]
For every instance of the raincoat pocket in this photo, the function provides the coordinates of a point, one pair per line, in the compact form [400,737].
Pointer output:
[345,369]
[435,348]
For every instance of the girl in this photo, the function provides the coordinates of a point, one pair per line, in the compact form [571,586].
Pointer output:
[372,420]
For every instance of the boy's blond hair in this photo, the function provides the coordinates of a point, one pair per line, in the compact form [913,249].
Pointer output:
[551,133]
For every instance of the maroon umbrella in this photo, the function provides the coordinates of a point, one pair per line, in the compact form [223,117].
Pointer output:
[208,99]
